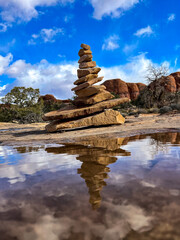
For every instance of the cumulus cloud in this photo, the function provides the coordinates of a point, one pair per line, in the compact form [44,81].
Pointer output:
[57,79]
[25,10]
[49,78]
[4,62]
[111,43]
[147,31]
[133,71]
[113,8]
[46,35]
[171,17]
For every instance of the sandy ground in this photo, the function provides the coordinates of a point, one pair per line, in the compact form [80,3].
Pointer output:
[12,133]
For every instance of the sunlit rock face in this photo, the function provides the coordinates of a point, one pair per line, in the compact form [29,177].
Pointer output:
[123,89]
[97,188]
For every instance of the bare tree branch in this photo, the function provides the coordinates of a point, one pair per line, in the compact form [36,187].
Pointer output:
[154,72]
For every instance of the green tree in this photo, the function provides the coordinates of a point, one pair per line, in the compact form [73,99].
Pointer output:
[22,97]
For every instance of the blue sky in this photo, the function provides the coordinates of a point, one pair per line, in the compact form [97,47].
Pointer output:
[40,39]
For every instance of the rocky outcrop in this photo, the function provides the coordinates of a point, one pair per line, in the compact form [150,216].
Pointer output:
[51,99]
[176,76]
[123,89]
[161,92]
[90,99]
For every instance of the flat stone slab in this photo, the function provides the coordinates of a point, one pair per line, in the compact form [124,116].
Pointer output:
[85,79]
[89,91]
[87,65]
[108,117]
[84,52]
[86,58]
[84,72]
[99,97]
[87,84]
[85,111]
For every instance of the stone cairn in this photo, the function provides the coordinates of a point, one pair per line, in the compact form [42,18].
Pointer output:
[91,103]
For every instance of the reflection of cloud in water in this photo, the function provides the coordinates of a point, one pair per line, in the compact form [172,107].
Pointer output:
[118,221]
[30,163]
[143,151]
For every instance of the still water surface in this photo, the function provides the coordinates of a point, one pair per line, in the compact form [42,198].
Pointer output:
[96,189]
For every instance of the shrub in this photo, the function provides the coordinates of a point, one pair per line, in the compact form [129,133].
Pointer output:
[175,106]
[153,110]
[165,109]
[142,111]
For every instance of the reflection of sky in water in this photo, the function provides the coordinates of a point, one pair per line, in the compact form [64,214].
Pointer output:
[145,154]
[134,186]
[15,166]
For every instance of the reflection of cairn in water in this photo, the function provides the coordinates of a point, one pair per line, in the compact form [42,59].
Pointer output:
[94,167]
[95,154]
[94,175]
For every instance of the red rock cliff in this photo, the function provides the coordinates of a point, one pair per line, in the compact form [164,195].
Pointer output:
[123,89]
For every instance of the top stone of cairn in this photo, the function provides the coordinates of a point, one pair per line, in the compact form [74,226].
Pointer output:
[85,46]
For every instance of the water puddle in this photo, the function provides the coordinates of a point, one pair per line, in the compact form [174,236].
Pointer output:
[98,188]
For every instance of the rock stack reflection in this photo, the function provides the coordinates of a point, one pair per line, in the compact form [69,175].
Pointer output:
[95,154]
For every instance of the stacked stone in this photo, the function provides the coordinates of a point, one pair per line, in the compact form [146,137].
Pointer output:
[92,105]
[87,93]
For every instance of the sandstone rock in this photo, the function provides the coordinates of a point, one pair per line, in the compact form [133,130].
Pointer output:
[123,89]
[87,64]
[118,87]
[87,84]
[170,84]
[85,58]
[133,90]
[49,98]
[108,117]
[84,52]
[85,111]
[84,72]
[141,86]
[85,46]
[160,92]
[89,91]
[85,79]
[176,76]
[102,96]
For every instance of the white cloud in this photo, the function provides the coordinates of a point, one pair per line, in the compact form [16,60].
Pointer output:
[147,31]
[128,48]
[46,35]
[171,17]
[4,62]
[133,71]
[113,8]
[4,27]
[111,43]
[56,79]
[25,10]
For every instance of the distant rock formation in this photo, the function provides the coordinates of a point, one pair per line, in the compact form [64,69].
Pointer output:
[123,89]
[161,92]
[50,98]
